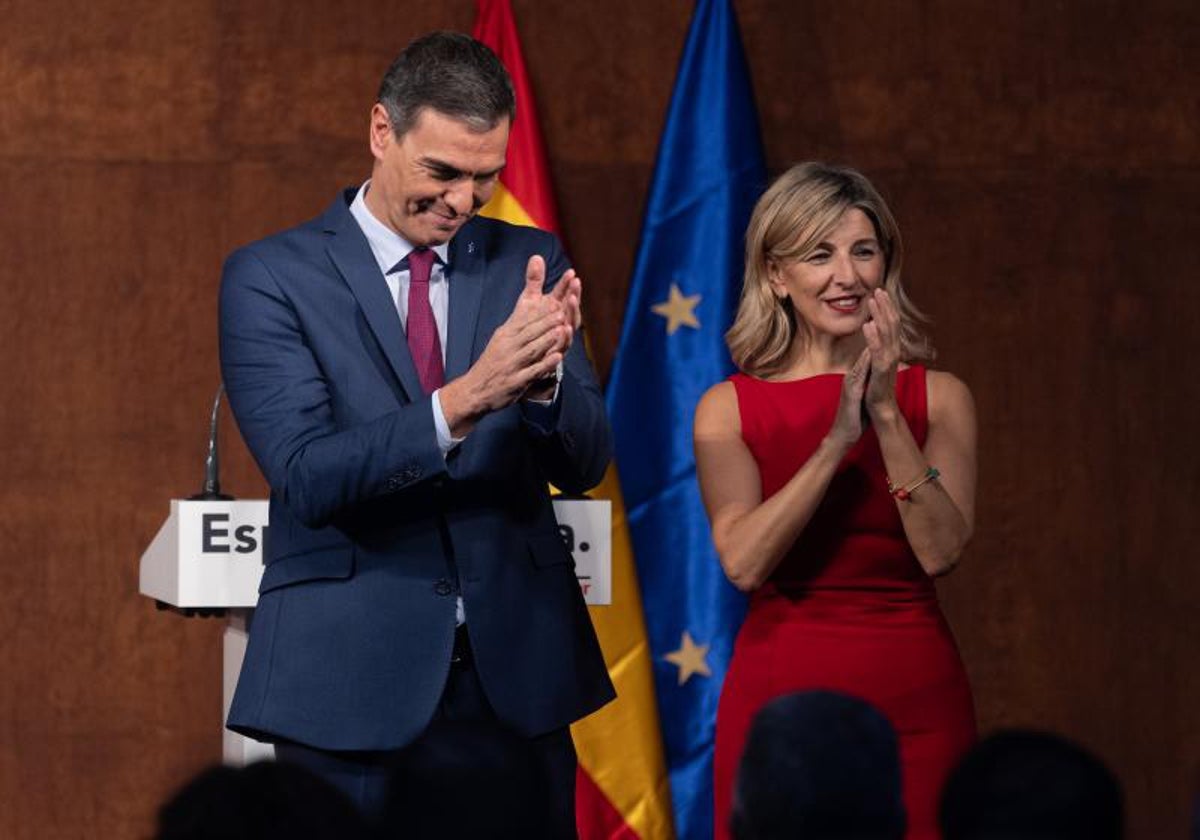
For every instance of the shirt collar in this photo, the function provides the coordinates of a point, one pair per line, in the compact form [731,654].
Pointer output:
[387,246]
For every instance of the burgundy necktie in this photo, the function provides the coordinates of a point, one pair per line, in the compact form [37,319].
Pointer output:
[423,341]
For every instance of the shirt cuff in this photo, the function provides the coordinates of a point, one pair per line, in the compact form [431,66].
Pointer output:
[444,440]
[543,414]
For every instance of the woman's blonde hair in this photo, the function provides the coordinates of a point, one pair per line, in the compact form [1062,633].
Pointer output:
[793,216]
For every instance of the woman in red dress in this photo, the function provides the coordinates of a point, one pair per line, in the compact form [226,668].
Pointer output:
[839,478]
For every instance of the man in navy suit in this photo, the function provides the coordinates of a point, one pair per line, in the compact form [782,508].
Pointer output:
[408,377]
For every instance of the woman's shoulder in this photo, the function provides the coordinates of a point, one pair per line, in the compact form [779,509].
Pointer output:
[947,395]
[718,408]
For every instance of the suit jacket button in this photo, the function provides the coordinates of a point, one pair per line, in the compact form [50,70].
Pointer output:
[443,587]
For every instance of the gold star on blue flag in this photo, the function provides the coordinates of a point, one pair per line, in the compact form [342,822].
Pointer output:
[679,310]
[690,659]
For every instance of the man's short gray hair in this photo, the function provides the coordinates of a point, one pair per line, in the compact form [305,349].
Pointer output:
[452,74]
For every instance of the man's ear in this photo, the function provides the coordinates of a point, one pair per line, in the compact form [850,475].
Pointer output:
[381,134]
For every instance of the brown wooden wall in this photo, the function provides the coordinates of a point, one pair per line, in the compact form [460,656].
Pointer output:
[1043,159]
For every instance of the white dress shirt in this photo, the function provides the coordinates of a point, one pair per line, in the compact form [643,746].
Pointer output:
[389,249]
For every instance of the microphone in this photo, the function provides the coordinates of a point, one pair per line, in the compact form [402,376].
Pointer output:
[211,490]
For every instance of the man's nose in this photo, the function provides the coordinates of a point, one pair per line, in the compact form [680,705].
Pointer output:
[459,196]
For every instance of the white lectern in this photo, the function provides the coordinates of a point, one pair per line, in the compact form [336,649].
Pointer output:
[208,556]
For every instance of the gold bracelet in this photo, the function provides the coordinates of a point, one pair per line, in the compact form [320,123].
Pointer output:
[904,493]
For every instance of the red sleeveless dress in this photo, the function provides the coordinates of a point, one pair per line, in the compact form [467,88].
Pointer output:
[849,608]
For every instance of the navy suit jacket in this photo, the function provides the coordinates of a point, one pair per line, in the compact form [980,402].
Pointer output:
[372,531]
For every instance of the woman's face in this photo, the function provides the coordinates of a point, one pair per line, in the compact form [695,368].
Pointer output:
[828,288]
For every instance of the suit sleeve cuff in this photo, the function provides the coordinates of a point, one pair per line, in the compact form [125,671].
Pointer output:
[542,415]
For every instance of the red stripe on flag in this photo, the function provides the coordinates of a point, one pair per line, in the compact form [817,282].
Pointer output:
[526,175]
[595,816]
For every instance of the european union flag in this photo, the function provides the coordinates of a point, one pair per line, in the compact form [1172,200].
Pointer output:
[684,292]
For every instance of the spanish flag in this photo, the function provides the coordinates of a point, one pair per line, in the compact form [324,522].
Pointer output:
[622,790]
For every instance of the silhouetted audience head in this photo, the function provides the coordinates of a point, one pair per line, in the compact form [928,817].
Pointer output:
[1196,817]
[1025,785]
[819,766]
[263,801]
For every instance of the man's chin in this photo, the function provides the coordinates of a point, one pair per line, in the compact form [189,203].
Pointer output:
[438,233]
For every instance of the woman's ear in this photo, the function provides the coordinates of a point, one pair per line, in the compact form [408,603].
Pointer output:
[775,278]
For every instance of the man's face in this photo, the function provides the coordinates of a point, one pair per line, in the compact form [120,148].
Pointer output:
[427,183]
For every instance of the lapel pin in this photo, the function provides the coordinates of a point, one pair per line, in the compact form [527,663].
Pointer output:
[470,247]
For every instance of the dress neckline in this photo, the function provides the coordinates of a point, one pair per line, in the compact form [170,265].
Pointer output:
[812,377]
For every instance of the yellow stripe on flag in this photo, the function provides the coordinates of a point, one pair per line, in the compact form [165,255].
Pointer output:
[504,206]
[618,745]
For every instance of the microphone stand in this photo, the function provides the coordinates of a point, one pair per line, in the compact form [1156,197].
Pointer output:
[210,491]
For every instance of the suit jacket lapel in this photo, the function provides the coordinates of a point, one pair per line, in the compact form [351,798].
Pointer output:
[468,268]
[352,256]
